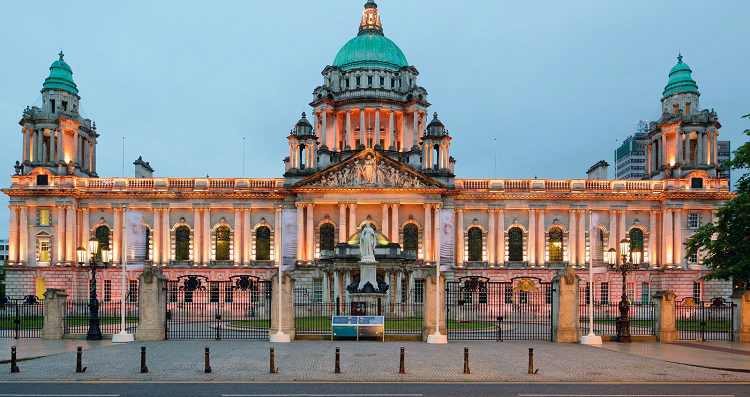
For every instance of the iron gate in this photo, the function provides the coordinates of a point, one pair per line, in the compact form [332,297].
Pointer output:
[712,320]
[238,308]
[21,318]
[642,315]
[479,309]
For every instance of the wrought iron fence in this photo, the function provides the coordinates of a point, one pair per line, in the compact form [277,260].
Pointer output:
[21,317]
[642,316]
[709,320]
[313,316]
[77,313]
[479,309]
[238,308]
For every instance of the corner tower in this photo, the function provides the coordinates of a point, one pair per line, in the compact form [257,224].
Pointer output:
[55,136]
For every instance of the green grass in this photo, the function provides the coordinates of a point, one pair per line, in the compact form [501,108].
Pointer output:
[454,325]
[84,320]
[26,322]
[682,325]
[324,323]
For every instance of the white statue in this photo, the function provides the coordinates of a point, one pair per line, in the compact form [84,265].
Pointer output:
[367,243]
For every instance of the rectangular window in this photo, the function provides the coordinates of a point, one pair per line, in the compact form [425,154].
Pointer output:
[133,291]
[692,220]
[547,295]
[382,81]
[214,292]
[483,293]
[604,292]
[693,258]
[44,251]
[403,289]
[645,292]
[508,294]
[369,80]
[172,292]
[228,294]
[318,290]
[687,108]
[630,289]
[419,290]
[358,81]
[697,291]
[393,83]
[588,292]
[44,218]
[107,291]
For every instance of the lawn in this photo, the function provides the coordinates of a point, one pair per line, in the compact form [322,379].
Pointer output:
[26,322]
[324,323]
[454,325]
[682,325]
[84,320]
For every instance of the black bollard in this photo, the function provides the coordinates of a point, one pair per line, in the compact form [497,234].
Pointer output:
[466,360]
[272,364]
[401,368]
[13,360]
[79,361]
[144,368]
[338,361]
[208,361]
[531,361]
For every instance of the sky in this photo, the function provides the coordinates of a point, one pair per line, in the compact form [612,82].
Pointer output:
[547,88]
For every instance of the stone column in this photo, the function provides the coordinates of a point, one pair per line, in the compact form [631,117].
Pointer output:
[648,158]
[52,147]
[741,315]
[652,238]
[337,288]
[531,248]
[278,256]
[679,260]
[166,246]
[206,235]
[377,128]
[23,231]
[437,234]
[663,151]
[76,146]
[416,128]
[395,225]
[287,305]
[621,233]
[85,226]
[581,238]
[541,240]
[70,227]
[117,236]
[352,219]
[362,131]
[13,236]
[54,311]
[391,126]
[25,153]
[385,226]
[342,223]
[310,238]
[500,252]
[565,323]
[573,239]
[427,245]
[300,231]
[687,150]
[460,236]
[237,247]
[349,133]
[326,287]
[336,132]
[323,126]
[666,325]
[679,138]
[491,242]
[247,237]
[197,239]
[152,305]
[715,148]
[613,241]
[402,133]
[429,305]
[59,255]
[668,238]
[156,236]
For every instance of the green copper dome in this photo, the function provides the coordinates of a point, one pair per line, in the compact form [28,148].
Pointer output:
[60,77]
[370,50]
[680,79]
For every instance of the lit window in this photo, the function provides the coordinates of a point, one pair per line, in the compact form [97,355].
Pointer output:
[475,244]
[44,251]
[263,244]
[555,244]
[222,243]
[515,244]
[182,244]
[44,218]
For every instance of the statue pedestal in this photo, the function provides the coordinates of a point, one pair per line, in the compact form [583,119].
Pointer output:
[366,303]
[368,273]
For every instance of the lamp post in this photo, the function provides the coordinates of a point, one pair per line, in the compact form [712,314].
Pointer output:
[630,261]
[94,332]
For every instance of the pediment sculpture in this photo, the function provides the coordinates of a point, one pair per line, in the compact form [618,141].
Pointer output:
[369,171]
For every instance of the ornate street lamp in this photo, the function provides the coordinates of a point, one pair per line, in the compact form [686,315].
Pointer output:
[623,322]
[94,332]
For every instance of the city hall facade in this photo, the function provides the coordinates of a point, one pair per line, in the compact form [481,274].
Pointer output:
[368,150]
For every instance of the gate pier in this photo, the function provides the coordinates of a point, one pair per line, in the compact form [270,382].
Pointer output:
[152,305]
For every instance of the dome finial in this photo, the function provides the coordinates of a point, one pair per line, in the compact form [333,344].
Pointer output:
[679,57]
[61,54]
[370,20]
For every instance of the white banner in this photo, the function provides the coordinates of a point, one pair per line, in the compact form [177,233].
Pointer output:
[136,241]
[447,238]
[595,248]
[288,239]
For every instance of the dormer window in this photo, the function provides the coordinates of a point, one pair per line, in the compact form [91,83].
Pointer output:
[369,80]
[347,83]
[696,183]
[393,83]
[358,81]
[382,81]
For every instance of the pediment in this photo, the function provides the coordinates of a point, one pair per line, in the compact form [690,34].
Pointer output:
[368,169]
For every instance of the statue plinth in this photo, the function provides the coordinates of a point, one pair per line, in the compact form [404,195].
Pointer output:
[368,281]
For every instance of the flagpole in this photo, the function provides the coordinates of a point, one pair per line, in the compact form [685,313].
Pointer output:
[437,337]
[123,336]
[280,336]
[591,338]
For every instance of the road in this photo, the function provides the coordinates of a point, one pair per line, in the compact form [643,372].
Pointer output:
[396,389]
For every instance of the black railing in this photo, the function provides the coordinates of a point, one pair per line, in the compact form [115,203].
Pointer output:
[711,320]
[21,317]
[313,316]
[642,316]
[76,316]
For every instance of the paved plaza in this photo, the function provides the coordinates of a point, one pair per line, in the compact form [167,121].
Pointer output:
[379,362]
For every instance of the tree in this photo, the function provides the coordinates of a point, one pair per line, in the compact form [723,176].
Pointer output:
[726,244]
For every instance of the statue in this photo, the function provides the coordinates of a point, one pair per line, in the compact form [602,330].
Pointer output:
[367,243]
[18,168]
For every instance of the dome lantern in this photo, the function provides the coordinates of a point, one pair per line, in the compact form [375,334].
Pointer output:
[680,79]
[60,77]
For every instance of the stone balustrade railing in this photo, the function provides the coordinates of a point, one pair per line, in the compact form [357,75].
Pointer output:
[148,184]
[584,185]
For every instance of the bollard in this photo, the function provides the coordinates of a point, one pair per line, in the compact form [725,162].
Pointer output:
[144,368]
[13,360]
[531,362]
[338,361]
[79,361]
[272,364]
[500,328]
[401,368]
[466,360]
[208,361]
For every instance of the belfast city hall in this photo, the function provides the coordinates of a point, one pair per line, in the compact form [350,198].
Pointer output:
[369,156]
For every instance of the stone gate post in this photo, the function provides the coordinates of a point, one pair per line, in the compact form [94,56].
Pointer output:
[666,324]
[54,310]
[429,306]
[741,316]
[287,305]
[152,305]
[565,325]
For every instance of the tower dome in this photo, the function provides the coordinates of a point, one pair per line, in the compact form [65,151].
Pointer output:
[60,77]
[680,79]
[370,48]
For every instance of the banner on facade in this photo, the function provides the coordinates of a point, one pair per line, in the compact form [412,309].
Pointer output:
[136,242]
[288,239]
[596,246]
[447,238]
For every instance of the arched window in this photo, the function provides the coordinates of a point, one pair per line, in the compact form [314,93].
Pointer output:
[515,244]
[555,244]
[327,237]
[411,237]
[102,234]
[222,243]
[182,244]
[636,239]
[263,244]
[475,244]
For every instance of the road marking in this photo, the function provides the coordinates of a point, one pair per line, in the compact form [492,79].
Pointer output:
[322,395]
[59,395]
[626,395]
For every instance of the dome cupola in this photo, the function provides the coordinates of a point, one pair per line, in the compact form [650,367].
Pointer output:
[60,77]
[303,126]
[436,127]
[680,79]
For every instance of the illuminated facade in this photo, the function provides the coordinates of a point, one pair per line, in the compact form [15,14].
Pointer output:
[368,151]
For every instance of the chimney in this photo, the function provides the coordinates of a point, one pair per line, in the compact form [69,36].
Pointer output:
[598,171]
[143,169]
